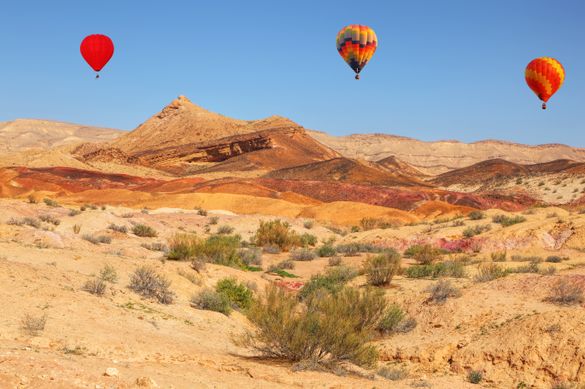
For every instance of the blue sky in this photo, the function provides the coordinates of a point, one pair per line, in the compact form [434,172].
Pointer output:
[443,69]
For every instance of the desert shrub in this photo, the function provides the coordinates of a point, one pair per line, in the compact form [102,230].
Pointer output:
[441,291]
[74,212]
[520,258]
[392,373]
[308,224]
[554,259]
[308,240]
[32,199]
[353,249]
[277,233]
[499,256]
[95,286]
[237,293]
[182,247]
[454,269]
[201,212]
[148,283]
[50,202]
[76,228]
[565,292]
[144,231]
[532,267]
[547,271]
[198,265]
[155,246]
[332,281]
[426,254]
[271,249]
[108,274]
[507,221]
[380,269]
[144,211]
[118,228]
[251,256]
[490,271]
[97,239]
[33,325]
[395,320]
[225,230]
[32,222]
[220,249]
[213,220]
[470,232]
[334,261]
[369,223]
[327,250]
[476,215]
[13,221]
[331,328]
[475,376]
[50,219]
[211,300]
[302,255]
[283,265]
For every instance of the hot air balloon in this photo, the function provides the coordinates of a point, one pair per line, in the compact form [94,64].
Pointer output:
[544,76]
[356,44]
[97,50]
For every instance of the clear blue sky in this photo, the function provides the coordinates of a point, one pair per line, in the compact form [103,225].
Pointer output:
[443,69]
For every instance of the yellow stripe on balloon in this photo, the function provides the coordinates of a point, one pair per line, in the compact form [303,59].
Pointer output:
[540,78]
[557,66]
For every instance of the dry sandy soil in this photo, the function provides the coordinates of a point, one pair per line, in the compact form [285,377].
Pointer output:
[503,328]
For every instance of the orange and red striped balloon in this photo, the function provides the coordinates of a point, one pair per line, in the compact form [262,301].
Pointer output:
[544,76]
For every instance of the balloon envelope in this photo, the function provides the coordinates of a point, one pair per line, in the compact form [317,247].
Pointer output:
[356,44]
[97,50]
[544,76]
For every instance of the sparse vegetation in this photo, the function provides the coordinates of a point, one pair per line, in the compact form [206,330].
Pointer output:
[155,246]
[182,247]
[554,259]
[380,269]
[342,325]
[426,254]
[213,220]
[369,223]
[499,256]
[210,300]
[238,294]
[51,202]
[33,325]
[441,291]
[302,255]
[95,286]
[507,221]
[307,240]
[201,212]
[97,239]
[395,321]
[475,376]
[225,230]
[354,249]
[476,215]
[108,274]
[454,269]
[332,281]
[308,224]
[335,261]
[74,212]
[470,232]
[144,231]
[327,250]
[251,256]
[50,219]
[566,292]
[118,228]
[76,228]
[393,373]
[489,271]
[276,233]
[148,283]
[32,199]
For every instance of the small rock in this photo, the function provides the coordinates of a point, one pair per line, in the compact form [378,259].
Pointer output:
[111,372]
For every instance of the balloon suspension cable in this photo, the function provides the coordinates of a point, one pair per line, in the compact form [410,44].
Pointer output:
[97,75]
[357,76]
[543,105]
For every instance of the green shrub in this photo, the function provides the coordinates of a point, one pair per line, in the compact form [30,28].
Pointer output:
[302,255]
[218,249]
[148,283]
[476,215]
[454,269]
[353,249]
[380,269]
[308,240]
[108,274]
[51,202]
[326,250]
[182,247]
[395,321]
[475,376]
[490,271]
[441,291]
[237,293]
[328,329]
[507,221]
[225,230]
[332,281]
[144,231]
[277,233]
[210,300]
[470,232]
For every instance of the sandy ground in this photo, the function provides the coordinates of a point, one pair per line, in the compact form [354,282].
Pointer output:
[502,328]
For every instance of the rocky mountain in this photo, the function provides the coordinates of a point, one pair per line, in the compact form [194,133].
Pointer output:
[439,157]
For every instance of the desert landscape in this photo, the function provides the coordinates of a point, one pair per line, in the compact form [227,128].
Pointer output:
[203,251]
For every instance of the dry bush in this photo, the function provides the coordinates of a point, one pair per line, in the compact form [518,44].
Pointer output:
[499,256]
[251,256]
[155,246]
[380,269]
[441,291]
[144,231]
[182,247]
[51,202]
[213,220]
[95,286]
[33,325]
[97,239]
[369,223]
[302,255]
[566,292]
[490,271]
[329,328]
[276,233]
[225,230]
[210,300]
[118,228]
[426,254]
[148,283]
[50,219]
[308,224]
[507,221]
[76,228]
[108,274]
[476,215]
[332,281]
[335,261]
[393,373]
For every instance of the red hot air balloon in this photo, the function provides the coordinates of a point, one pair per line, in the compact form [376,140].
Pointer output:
[97,50]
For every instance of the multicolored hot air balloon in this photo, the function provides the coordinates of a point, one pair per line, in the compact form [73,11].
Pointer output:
[544,76]
[356,44]
[97,50]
